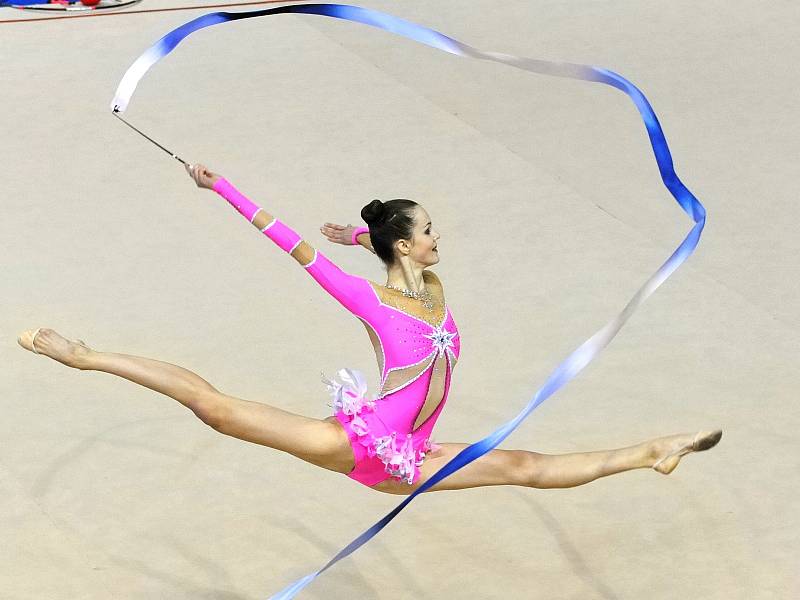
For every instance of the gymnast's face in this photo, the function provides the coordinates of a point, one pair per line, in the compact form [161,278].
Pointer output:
[423,247]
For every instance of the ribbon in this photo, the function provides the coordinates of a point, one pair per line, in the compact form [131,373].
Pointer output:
[16,3]
[587,351]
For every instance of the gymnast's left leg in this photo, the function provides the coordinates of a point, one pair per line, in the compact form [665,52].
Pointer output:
[531,469]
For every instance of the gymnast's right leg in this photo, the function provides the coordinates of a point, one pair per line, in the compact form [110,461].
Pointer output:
[322,443]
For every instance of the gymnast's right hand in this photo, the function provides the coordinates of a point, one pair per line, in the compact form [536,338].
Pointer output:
[202,176]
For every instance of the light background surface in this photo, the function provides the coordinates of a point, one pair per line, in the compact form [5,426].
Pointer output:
[551,214]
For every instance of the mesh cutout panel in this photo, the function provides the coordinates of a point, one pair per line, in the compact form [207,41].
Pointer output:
[399,378]
[415,307]
[376,344]
[261,219]
[435,391]
[453,359]
[304,253]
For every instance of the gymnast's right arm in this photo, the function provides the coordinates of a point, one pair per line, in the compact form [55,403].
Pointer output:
[345,288]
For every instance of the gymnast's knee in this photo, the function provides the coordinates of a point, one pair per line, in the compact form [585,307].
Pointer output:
[525,468]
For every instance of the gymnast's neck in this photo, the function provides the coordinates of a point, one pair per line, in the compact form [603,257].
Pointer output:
[406,273]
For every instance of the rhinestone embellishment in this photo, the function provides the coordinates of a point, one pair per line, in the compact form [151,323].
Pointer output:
[441,338]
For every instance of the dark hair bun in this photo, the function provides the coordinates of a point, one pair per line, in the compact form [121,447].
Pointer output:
[374,213]
[388,222]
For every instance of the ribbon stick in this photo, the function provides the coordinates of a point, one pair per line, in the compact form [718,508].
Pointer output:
[147,137]
[587,351]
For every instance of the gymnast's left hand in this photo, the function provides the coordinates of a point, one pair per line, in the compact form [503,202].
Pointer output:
[338,234]
[203,177]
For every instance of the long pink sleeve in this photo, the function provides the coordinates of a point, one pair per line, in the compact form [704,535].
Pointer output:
[351,292]
[246,207]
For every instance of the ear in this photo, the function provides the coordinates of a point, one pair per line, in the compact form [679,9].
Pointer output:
[403,247]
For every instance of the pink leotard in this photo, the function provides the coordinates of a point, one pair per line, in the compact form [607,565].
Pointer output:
[390,434]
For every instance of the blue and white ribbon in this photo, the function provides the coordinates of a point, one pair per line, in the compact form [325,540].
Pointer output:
[19,3]
[584,354]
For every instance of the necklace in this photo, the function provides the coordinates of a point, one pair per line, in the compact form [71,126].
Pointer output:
[425,296]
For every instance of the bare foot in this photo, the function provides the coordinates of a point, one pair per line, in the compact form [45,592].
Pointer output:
[51,344]
[667,452]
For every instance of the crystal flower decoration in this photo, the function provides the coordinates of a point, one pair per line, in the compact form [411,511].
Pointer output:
[441,338]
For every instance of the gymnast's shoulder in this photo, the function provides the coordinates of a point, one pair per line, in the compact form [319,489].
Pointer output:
[432,279]
[429,276]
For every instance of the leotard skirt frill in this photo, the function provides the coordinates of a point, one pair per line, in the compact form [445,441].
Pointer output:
[379,451]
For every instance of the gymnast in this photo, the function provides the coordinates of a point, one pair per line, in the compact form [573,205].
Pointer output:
[381,442]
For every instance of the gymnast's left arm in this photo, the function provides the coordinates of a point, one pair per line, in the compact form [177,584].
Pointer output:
[345,288]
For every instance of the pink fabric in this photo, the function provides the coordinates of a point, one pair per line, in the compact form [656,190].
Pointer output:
[282,235]
[279,233]
[380,430]
[236,199]
[357,232]
[381,448]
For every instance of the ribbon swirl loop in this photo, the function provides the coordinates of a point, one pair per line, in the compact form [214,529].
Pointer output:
[587,351]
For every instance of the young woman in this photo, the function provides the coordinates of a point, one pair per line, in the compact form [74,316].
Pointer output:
[382,442]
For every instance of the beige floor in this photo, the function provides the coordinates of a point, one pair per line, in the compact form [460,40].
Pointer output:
[551,214]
